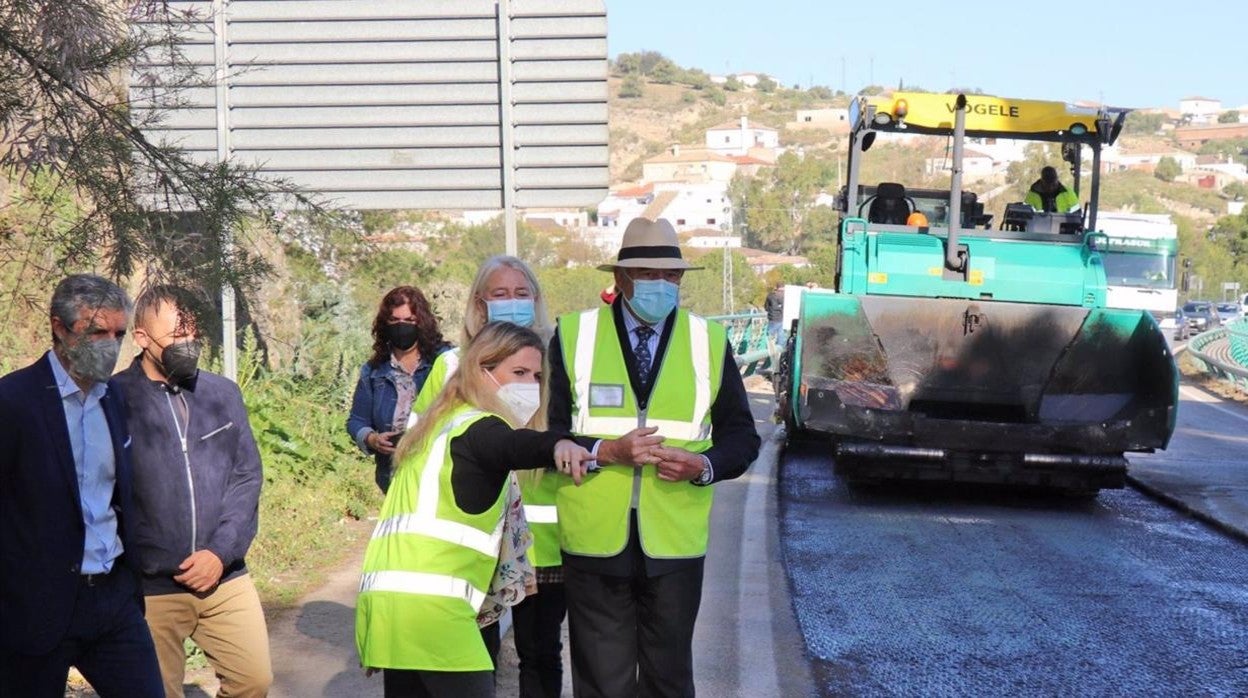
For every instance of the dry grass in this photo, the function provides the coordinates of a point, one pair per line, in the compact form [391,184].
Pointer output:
[1194,374]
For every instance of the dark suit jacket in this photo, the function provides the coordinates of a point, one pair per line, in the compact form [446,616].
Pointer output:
[734,439]
[41,529]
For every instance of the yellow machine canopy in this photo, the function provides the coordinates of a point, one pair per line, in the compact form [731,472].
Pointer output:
[988,116]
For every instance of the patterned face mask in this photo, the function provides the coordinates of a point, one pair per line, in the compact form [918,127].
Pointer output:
[93,359]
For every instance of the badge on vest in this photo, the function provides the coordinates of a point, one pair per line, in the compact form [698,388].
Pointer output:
[602,395]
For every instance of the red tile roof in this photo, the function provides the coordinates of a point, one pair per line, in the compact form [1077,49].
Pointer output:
[635,190]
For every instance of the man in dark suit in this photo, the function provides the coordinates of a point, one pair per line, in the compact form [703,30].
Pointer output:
[659,388]
[69,588]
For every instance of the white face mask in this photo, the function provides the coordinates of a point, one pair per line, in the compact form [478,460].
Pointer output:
[522,399]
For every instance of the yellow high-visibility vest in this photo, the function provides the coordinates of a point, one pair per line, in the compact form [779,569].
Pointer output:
[673,517]
[536,491]
[428,566]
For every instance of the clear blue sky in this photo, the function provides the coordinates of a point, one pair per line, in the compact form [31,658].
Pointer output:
[1130,54]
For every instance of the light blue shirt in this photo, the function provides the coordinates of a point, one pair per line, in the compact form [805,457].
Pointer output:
[96,465]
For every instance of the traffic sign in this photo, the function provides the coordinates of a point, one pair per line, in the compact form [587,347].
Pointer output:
[396,104]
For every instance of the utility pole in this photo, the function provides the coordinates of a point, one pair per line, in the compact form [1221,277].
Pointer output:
[229,324]
[728,301]
[507,127]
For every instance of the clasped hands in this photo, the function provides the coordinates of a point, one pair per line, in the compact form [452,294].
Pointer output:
[201,571]
[643,446]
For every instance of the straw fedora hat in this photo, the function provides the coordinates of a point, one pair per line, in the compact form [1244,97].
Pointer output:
[649,244]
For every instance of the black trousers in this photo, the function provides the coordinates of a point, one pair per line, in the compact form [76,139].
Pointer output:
[405,683]
[418,683]
[107,640]
[633,636]
[538,632]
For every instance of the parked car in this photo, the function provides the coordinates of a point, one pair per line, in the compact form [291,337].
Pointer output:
[1199,316]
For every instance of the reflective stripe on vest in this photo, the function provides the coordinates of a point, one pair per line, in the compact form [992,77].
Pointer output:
[541,513]
[587,333]
[538,491]
[424,584]
[449,531]
[425,522]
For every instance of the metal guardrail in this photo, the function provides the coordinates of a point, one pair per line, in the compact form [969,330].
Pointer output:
[1230,365]
[747,334]
[1237,333]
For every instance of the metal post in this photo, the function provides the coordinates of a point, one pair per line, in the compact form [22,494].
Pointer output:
[229,329]
[953,261]
[1095,202]
[506,125]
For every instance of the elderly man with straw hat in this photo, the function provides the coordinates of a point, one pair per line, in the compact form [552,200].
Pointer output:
[658,387]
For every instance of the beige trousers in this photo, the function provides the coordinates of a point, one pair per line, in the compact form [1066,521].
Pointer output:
[228,625]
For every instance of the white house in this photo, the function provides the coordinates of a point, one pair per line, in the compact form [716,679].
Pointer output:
[737,138]
[834,119]
[623,205]
[749,79]
[693,165]
[1202,110]
[1226,166]
[762,261]
[687,205]
[692,206]
[1003,151]
[1116,158]
[713,241]
[570,218]
[975,165]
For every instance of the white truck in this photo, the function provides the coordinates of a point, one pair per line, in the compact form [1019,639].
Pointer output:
[1141,263]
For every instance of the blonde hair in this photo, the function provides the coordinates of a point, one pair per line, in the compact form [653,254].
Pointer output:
[475,316]
[471,385]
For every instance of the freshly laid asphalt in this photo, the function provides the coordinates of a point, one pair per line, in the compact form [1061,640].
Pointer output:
[956,591]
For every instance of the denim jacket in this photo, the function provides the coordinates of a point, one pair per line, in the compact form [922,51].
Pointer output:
[372,407]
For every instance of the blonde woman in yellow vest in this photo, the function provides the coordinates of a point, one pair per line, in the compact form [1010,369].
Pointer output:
[656,387]
[436,544]
[506,289]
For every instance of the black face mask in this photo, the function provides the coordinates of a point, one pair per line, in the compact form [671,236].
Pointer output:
[180,364]
[402,335]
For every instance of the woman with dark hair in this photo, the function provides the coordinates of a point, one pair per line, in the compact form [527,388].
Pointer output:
[406,340]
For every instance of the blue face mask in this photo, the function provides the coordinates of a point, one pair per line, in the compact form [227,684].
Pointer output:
[518,311]
[653,300]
